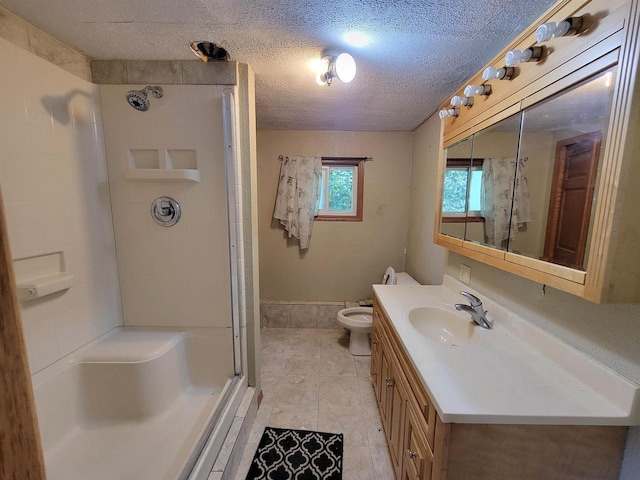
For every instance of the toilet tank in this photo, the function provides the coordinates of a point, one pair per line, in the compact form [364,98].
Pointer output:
[403,278]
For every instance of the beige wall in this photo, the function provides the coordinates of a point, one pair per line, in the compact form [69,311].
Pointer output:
[425,260]
[53,175]
[345,258]
[608,333]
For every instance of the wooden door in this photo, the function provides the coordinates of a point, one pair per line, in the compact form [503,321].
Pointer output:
[571,197]
[20,447]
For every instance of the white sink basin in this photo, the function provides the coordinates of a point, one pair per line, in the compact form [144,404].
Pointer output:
[443,326]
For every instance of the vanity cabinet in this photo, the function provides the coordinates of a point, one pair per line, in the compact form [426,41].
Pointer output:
[559,137]
[408,417]
[390,389]
[423,447]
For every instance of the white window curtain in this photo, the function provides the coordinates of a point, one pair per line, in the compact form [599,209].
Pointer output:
[498,178]
[298,196]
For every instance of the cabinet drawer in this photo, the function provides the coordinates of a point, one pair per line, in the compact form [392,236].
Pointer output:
[426,411]
[418,458]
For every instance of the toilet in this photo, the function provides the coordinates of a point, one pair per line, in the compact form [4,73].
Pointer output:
[359,320]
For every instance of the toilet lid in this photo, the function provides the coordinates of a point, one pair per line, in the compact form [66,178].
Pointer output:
[389,277]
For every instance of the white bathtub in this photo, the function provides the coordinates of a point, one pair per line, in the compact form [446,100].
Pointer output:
[132,405]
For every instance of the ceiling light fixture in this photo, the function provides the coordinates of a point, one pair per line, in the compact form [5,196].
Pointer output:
[343,67]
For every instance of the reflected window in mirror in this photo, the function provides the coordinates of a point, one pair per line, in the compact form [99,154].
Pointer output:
[453,213]
[462,175]
[563,140]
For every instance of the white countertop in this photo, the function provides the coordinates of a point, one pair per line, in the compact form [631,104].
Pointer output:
[515,373]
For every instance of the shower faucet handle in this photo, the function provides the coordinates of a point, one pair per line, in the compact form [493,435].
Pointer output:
[165,211]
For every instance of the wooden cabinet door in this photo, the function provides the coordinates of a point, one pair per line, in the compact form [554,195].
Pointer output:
[396,413]
[384,396]
[418,459]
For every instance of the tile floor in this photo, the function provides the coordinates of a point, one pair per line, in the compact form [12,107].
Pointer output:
[310,381]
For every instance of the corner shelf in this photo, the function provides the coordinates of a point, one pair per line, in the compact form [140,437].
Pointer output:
[173,165]
[185,175]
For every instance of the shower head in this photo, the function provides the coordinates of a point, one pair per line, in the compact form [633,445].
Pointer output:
[139,100]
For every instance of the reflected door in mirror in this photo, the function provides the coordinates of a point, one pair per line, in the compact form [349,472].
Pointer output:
[571,198]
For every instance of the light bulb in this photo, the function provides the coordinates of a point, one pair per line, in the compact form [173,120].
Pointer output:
[547,31]
[450,112]
[513,57]
[473,90]
[459,101]
[492,73]
[345,67]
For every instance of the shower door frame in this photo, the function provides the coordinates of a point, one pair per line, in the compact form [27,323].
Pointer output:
[21,455]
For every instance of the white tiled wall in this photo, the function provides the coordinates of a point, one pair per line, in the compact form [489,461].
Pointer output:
[170,276]
[55,187]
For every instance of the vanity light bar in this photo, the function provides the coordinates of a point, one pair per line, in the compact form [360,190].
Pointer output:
[545,32]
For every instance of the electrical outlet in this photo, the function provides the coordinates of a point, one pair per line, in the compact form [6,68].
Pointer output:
[465,273]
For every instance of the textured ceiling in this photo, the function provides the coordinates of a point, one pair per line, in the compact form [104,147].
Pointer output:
[419,51]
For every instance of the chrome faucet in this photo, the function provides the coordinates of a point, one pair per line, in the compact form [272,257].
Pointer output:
[475,309]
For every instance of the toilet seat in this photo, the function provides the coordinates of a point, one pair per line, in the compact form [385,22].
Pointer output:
[356,317]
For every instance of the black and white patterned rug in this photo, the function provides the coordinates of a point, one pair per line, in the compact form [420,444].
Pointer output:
[297,455]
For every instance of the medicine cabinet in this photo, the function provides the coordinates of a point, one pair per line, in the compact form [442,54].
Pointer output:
[536,181]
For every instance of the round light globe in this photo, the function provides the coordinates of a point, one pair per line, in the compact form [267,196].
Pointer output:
[345,67]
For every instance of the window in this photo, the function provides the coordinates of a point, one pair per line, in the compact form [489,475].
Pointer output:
[459,177]
[342,189]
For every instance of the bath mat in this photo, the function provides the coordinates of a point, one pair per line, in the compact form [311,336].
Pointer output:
[285,454]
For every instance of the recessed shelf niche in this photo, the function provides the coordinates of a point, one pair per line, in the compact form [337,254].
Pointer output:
[41,274]
[163,164]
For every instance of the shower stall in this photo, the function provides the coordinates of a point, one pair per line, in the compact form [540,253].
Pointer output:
[139,357]
[142,400]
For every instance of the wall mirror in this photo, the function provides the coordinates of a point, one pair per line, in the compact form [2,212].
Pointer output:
[478,185]
[561,145]
[527,184]
[495,150]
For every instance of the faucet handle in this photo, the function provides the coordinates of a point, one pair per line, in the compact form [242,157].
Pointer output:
[473,300]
